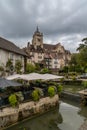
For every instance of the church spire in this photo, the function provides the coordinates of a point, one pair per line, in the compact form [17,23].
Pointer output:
[37,29]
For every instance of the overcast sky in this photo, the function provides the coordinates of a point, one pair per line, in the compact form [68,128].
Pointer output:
[62,21]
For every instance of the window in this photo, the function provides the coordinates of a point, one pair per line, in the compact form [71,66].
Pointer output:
[21,58]
[39,57]
[46,62]
[55,62]
[11,56]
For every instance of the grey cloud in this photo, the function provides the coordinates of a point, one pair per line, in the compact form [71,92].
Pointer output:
[56,18]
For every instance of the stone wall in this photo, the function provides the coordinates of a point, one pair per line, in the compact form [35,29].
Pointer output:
[83,126]
[70,96]
[9,115]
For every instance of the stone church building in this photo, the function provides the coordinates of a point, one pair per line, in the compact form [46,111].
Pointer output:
[47,55]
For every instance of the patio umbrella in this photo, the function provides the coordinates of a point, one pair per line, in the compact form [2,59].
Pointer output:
[51,76]
[34,76]
[31,76]
[12,77]
[8,83]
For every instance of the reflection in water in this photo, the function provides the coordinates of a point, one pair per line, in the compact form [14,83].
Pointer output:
[83,111]
[68,117]
[71,119]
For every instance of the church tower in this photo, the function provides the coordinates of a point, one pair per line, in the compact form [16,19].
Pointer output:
[37,40]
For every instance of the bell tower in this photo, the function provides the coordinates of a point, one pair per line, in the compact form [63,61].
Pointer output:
[37,38]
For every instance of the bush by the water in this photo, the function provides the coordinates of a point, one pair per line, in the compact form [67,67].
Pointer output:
[13,100]
[35,95]
[74,78]
[59,88]
[84,83]
[51,91]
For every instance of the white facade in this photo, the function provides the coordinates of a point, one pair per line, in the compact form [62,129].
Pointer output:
[55,63]
[5,55]
[37,57]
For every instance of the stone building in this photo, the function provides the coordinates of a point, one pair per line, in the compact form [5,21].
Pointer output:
[49,55]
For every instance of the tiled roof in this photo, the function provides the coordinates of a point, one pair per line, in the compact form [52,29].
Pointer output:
[9,46]
[67,51]
[57,55]
[49,46]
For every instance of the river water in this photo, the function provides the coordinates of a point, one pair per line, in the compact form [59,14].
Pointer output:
[69,116]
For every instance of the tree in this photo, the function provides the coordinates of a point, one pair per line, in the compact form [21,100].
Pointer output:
[65,69]
[82,56]
[82,45]
[30,68]
[38,68]
[73,60]
[18,66]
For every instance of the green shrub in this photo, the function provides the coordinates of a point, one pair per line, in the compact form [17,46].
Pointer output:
[40,92]
[59,88]
[45,70]
[13,100]
[9,66]
[19,96]
[73,77]
[1,68]
[18,66]
[35,95]
[61,80]
[51,91]
[52,83]
[30,68]
[38,82]
[84,83]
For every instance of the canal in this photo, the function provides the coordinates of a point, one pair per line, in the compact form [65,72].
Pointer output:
[69,116]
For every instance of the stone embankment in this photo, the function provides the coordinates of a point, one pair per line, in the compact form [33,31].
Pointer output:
[71,96]
[9,115]
[84,126]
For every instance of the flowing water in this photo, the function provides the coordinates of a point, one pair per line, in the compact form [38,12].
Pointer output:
[69,116]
